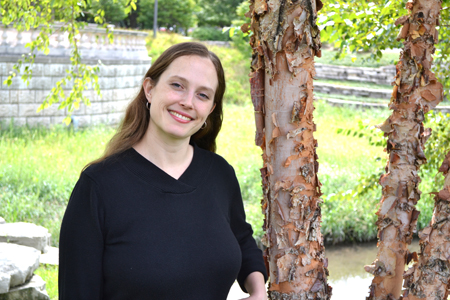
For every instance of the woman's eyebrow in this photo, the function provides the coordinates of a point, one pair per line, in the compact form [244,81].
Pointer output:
[184,80]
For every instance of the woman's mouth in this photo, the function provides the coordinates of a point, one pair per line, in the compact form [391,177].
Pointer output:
[180,116]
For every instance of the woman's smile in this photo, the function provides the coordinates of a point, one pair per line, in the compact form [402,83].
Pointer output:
[180,117]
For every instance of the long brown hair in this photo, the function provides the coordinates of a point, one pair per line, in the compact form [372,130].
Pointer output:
[135,123]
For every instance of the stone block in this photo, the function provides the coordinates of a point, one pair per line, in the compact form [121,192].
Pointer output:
[38,69]
[52,111]
[40,96]
[26,96]
[33,290]
[106,82]
[4,96]
[26,234]
[2,221]
[115,118]
[94,108]
[38,121]
[56,70]
[99,119]
[54,80]
[28,110]
[17,84]
[81,110]
[107,95]
[138,80]
[41,83]
[112,107]
[19,122]
[107,71]
[19,262]
[57,120]
[8,110]
[5,280]
[6,69]
[83,121]
[124,82]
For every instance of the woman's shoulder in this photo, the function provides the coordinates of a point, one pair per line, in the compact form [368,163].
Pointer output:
[110,164]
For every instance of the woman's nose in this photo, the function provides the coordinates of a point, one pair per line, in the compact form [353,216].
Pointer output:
[187,100]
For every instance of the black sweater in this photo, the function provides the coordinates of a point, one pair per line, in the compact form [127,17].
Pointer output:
[131,231]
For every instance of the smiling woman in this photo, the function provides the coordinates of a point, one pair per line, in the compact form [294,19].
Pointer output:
[160,215]
[180,102]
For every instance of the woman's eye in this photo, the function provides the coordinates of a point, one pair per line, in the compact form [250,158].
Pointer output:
[204,96]
[177,85]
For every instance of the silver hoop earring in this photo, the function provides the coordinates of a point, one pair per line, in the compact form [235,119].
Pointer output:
[204,125]
[147,104]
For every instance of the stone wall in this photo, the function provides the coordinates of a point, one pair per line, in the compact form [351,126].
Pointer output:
[124,64]
[382,75]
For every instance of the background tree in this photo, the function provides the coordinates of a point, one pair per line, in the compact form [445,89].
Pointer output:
[429,277]
[114,10]
[285,40]
[217,13]
[179,15]
[416,91]
[354,25]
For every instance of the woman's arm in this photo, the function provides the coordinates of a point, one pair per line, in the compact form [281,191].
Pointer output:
[254,284]
[81,245]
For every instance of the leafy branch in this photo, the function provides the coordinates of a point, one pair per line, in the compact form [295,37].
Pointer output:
[48,17]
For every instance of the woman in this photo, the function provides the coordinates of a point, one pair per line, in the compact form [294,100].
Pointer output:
[160,216]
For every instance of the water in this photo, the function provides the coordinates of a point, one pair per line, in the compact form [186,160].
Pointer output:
[346,264]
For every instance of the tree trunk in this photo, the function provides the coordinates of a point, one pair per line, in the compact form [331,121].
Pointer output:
[429,277]
[415,92]
[284,43]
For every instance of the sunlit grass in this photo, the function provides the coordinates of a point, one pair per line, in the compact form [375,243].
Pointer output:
[49,274]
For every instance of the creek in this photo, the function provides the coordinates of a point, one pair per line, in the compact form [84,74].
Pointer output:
[346,266]
[346,263]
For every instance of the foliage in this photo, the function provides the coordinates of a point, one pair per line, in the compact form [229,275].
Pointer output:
[114,10]
[178,15]
[210,34]
[358,59]
[218,13]
[49,274]
[43,16]
[353,26]
[435,150]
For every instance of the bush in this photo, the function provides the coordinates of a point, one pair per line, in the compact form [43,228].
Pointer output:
[210,34]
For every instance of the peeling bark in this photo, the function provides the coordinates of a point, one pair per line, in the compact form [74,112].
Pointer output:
[429,277]
[416,91]
[285,41]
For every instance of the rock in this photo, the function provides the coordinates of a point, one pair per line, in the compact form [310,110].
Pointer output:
[33,290]
[19,262]
[26,234]
[5,279]
[2,221]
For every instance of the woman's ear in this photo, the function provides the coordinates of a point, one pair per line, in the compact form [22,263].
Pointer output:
[214,106]
[147,85]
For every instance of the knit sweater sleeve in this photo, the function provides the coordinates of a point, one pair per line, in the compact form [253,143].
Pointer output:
[81,245]
[252,258]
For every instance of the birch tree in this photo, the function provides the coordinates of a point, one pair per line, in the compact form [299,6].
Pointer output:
[416,91]
[285,40]
[429,277]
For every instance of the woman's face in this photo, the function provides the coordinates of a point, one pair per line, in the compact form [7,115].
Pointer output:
[183,97]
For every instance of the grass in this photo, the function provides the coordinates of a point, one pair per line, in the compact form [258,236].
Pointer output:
[367,85]
[351,98]
[49,273]
[328,57]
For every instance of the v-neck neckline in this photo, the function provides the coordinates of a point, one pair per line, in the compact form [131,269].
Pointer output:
[153,175]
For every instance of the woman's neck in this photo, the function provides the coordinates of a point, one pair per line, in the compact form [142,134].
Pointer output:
[173,157]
